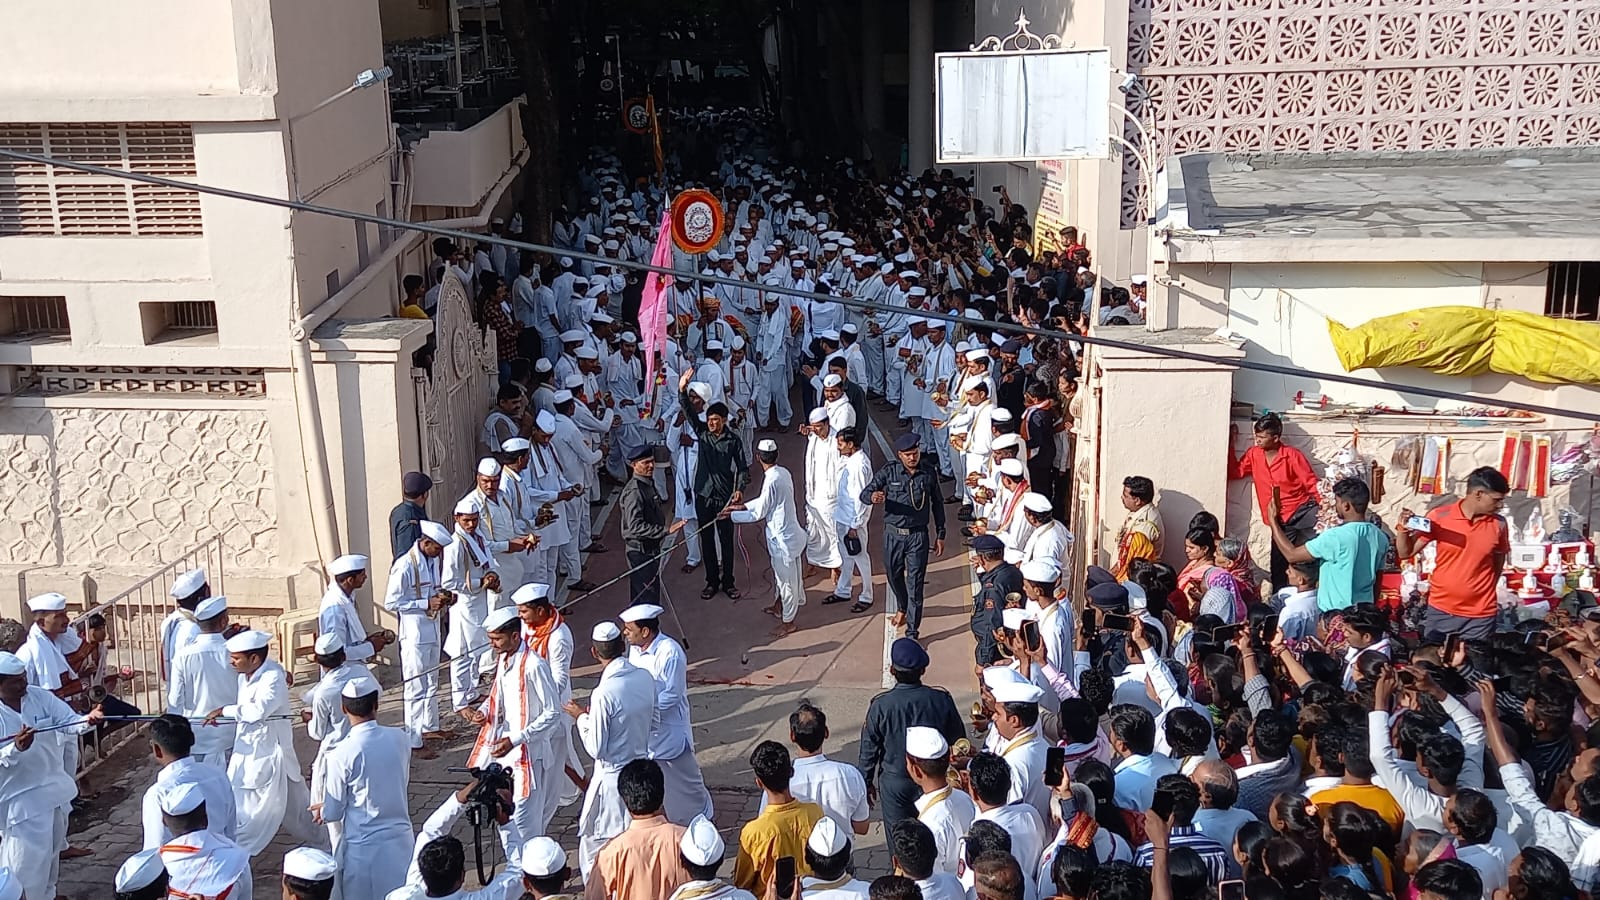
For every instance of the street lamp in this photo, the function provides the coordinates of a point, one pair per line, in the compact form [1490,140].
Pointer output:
[367,78]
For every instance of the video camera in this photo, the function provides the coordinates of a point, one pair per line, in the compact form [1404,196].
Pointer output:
[491,780]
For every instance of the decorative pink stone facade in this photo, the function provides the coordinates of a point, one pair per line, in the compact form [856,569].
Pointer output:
[1330,75]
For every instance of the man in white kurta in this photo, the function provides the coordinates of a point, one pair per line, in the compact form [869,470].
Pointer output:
[179,626]
[504,533]
[338,614]
[519,720]
[578,463]
[850,522]
[203,679]
[786,540]
[416,595]
[368,774]
[545,483]
[199,861]
[980,431]
[35,788]
[822,492]
[938,366]
[615,730]
[772,363]
[268,788]
[469,572]
[172,739]
[324,715]
[671,734]
[948,813]
[546,633]
[1049,540]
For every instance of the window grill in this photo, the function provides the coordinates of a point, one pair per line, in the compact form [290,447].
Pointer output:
[36,199]
[1573,291]
[33,317]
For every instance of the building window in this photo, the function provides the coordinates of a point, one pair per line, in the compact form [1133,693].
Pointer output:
[1573,291]
[34,319]
[193,321]
[36,199]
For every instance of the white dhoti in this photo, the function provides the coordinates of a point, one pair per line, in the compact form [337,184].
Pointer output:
[373,866]
[532,789]
[559,789]
[972,462]
[686,794]
[872,355]
[791,587]
[822,541]
[683,507]
[466,644]
[509,567]
[419,665]
[772,388]
[604,816]
[31,849]
[268,795]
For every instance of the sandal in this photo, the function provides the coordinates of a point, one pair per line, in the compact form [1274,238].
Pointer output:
[708,593]
[687,568]
[860,607]
[834,598]
[732,592]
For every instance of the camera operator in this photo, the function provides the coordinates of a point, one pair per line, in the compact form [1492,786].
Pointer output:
[439,862]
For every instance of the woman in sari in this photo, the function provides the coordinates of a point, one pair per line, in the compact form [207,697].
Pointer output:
[1206,586]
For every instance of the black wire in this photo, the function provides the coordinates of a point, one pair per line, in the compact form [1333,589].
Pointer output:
[1011,328]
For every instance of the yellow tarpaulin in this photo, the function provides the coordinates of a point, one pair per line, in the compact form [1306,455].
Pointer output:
[1467,340]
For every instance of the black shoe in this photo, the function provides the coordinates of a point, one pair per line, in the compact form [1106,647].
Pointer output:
[965,514]
[954,498]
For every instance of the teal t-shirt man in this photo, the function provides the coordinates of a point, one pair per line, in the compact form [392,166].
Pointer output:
[1350,555]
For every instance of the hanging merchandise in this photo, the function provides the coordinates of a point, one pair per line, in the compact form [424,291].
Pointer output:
[1407,458]
[1434,475]
[1346,464]
[1539,468]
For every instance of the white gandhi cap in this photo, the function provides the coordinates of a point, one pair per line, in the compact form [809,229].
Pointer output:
[187,583]
[926,743]
[542,857]
[10,664]
[641,611]
[605,631]
[181,798]
[700,844]
[435,532]
[360,686]
[530,593]
[347,564]
[1040,570]
[211,607]
[51,602]
[499,618]
[1012,467]
[1036,502]
[137,871]
[245,641]
[1017,692]
[817,415]
[310,864]
[487,466]
[516,445]
[329,642]
[468,506]
[768,445]
[827,838]
[994,676]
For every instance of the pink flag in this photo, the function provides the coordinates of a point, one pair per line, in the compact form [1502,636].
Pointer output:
[653,309]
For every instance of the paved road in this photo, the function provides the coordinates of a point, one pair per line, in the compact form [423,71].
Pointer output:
[743,684]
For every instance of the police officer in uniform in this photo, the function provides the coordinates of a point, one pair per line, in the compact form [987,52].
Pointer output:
[883,734]
[644,527]
[996,579]
[909,493]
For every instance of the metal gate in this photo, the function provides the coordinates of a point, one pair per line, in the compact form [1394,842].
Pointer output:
[453,402]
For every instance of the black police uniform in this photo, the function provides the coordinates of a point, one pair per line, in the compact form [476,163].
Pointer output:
[883,742]
[987,604]
[909,499]
[644,527]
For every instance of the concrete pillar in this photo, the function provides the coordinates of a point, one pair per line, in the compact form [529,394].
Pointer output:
[871,23]
[919,105]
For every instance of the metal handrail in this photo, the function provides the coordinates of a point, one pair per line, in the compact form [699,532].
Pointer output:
[132,651]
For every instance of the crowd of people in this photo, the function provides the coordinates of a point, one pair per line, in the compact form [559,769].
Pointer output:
[1178,734]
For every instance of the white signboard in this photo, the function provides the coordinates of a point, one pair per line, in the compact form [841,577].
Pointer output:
[1022,106]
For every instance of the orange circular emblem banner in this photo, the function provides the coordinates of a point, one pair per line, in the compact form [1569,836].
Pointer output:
[696,221]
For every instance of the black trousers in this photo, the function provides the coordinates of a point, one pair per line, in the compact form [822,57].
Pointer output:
[1299,526]
[644,584]
[906,558]
[1042,473]
[716,544]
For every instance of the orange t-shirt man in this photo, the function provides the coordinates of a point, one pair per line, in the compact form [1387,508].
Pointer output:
[1469,555]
